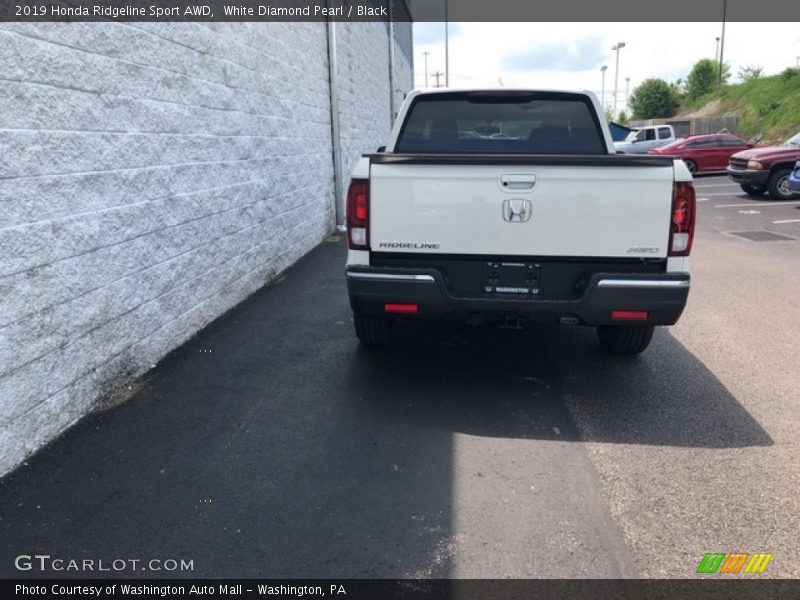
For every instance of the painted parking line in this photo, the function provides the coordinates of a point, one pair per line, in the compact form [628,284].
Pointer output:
[759,204]
[719,194]
[787,221]
[710,185]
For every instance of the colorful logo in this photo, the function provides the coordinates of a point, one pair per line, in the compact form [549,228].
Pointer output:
[720,562]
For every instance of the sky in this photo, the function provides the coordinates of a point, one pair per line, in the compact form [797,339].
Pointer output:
[570,55]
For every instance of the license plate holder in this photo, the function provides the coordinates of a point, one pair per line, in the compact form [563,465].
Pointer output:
[511,279]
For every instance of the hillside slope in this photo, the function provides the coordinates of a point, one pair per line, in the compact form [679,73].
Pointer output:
[769,106]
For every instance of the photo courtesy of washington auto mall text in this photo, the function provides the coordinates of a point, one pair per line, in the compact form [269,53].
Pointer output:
[125,590]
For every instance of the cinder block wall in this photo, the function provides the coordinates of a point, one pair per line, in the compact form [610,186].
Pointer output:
[152,176]
[364,89]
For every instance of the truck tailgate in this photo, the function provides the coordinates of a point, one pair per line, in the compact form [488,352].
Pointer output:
[607,206]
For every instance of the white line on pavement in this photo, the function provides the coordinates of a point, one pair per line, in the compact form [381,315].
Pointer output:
[788,221]
[710,185]
[764,204]
[719,194]
[702,199]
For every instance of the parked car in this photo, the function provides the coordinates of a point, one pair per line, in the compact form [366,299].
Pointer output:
[794,178]
[644,139]
[766,169]
[552,226]
[704,153]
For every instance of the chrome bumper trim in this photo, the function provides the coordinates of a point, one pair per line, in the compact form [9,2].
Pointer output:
[643,283]
[391,276]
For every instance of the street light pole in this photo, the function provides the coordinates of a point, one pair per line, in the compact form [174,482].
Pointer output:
[603,87]
[425,54]
[618,46]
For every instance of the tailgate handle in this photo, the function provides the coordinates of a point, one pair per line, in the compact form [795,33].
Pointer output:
[517,181]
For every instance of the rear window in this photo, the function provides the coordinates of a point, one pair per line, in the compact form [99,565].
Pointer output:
[524,123]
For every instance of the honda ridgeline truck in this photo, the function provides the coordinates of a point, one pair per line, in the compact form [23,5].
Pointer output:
[509,207]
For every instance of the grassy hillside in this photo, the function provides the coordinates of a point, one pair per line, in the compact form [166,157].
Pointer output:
[769,106]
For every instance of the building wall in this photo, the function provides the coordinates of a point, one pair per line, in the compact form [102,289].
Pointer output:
[152,176]
[364,87]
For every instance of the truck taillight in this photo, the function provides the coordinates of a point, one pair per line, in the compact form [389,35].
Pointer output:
[358,214]
[684,210]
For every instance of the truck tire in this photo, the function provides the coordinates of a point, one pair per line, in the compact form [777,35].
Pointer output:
[752,190]
[778,185]
[624,339]
[374,331]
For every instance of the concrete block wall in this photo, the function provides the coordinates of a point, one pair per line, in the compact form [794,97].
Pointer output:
[364,87]
[152,176]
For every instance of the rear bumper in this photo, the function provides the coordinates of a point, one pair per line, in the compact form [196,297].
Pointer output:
[754,178]
[662,295]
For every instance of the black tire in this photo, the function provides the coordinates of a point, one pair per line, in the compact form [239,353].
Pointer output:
[625,339]
[691,165]
[778,185]
[374,331]
[752,190]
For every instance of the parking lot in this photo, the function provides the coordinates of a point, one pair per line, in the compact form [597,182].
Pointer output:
[272,444]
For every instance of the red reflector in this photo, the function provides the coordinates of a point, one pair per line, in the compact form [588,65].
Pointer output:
[401,308]
[629,315]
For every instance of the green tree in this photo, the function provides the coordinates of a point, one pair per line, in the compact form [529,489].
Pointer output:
[679,88]
[790,72]
[622,118]
[653,99]
[609,116]
[704,78]
[750,72]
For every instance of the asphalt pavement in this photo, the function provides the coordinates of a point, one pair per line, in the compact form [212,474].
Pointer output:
[272,444]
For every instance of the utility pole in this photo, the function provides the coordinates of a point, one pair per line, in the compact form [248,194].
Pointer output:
[437,75]
[722,42]
[716,52]
[798,61]
[446,47]
[425,54]
[627,90]
[603,87]
[618,46]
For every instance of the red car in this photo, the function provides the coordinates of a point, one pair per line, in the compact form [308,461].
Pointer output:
[704,153]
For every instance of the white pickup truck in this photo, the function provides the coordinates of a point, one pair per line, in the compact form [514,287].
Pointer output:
[644,139]
[509,207]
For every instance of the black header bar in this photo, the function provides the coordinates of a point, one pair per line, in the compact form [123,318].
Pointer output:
[402,10]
